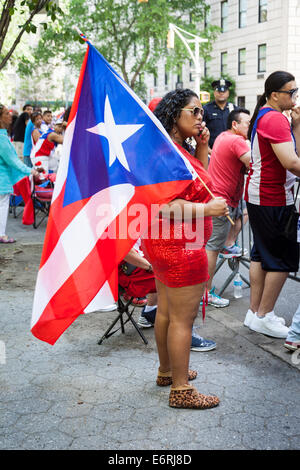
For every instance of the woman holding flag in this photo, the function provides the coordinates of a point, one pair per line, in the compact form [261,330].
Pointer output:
[179,264]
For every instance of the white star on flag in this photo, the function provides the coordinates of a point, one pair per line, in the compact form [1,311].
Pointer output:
[116,134]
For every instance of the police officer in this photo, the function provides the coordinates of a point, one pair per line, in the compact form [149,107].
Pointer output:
[217,112]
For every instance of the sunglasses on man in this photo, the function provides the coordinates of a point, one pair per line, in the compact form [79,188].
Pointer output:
[293,93]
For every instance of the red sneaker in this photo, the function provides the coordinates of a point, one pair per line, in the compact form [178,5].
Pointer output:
[137,301]
[292,346]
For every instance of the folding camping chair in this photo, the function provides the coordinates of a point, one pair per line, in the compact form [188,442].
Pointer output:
[123,311]
[15,202]
[41,196]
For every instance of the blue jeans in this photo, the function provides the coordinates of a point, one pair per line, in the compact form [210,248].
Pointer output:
[294,331]
[27,161]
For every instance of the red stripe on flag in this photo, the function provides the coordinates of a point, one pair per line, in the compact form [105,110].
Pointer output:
[79,86]
[80,288]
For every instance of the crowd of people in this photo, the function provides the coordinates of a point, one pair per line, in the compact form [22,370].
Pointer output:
[29,145]
[246,166]
[36,134]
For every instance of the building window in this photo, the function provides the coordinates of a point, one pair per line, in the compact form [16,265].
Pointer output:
[224,16]
[241,102]
[205,69]
[223,63]
[262,58]
[262,11]
[207,18]
[242,13]
[154,80]
[179,83]
[166,76]
[242,61]
[191,73]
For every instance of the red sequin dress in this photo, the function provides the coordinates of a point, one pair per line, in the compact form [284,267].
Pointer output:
[179,259]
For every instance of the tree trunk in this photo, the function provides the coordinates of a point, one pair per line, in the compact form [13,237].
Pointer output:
[6,20]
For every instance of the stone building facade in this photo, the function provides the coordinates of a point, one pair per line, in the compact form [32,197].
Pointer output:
[257,38]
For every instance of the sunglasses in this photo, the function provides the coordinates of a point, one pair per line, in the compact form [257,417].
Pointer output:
[196,110]
[293,93]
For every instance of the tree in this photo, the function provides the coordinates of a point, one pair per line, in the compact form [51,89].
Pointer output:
[131,35]
[26,11]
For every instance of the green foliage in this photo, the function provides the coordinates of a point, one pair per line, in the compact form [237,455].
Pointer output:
[17,18]
[130,35]
[206,86]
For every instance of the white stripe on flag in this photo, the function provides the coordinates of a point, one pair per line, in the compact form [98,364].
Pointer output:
[103,298]
[62,172]
[76,242]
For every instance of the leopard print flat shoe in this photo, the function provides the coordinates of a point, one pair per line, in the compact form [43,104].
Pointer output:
[191,398]
[165,378]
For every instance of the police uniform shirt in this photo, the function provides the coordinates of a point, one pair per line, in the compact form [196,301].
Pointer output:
[216,119]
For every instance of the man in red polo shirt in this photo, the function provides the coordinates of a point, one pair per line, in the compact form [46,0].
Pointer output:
[229,159]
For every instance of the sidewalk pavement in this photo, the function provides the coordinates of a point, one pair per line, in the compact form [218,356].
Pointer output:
[79,395]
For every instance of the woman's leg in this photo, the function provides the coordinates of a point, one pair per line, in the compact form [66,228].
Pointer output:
[4,207]
[161,326]
[183,305]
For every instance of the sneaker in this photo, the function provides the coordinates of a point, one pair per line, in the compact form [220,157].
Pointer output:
[248,318]
[280,319]
[292,345]
[200,344]
[231,251]
[147,319]
[269,325]
[144,323]
[216,300]
[137,301]
[250,315]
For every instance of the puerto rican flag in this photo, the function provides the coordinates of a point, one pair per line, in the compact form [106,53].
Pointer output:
[116,157]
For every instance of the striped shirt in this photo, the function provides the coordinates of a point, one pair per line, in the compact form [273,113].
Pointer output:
[43,147]
[268,182]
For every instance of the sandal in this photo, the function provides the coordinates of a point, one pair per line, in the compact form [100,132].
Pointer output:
[189,397]
[165,378]
[6,239]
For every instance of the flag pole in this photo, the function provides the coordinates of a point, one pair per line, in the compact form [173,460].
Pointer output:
[80,33]
[214,197]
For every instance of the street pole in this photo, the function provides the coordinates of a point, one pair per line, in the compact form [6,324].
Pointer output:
[195,56]
[197,67]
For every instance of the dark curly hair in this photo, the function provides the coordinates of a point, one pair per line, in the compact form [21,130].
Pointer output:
[169,108]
